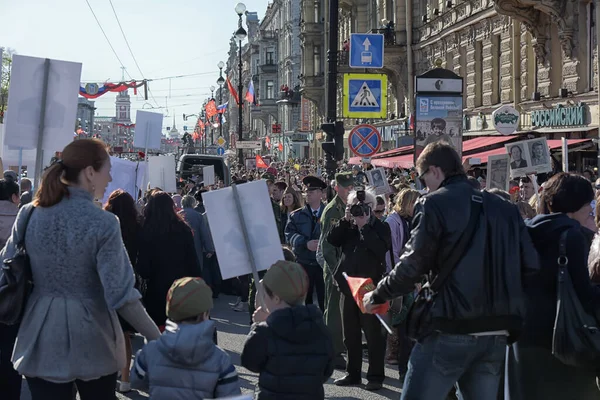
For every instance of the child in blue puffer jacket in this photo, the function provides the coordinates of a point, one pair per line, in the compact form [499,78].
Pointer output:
[185,363]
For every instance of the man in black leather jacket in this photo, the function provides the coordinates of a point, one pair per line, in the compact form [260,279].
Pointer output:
[481,303]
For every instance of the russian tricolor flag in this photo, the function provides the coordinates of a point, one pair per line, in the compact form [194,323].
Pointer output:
[250,97]
[222,108]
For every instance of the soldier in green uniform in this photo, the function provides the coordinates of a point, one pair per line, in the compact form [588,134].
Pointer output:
[333,212]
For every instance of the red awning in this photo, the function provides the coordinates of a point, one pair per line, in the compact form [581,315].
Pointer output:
[552,144]
[480,142]
[392,152]
[405,161]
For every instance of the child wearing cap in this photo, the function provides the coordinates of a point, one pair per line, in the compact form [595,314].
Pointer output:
[185,363]
[289,344]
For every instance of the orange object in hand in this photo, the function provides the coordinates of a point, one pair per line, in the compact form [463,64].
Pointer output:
[361,286]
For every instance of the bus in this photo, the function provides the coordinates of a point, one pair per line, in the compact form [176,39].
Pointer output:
[189,168]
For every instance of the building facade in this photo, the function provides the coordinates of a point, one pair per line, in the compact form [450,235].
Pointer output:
[542,59]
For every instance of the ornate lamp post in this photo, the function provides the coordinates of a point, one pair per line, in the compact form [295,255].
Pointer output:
[221,82]
[240,35]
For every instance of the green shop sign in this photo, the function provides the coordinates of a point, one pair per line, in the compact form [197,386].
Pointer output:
[560,116]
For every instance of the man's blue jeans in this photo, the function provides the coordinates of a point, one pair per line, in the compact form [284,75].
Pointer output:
[441,360]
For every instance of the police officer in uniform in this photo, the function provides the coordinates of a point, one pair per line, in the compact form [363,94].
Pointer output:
[303,232]
[333,212]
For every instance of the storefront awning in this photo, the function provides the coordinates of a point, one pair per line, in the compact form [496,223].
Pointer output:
[405,161]
[480,142]
[552,144]
[392,152]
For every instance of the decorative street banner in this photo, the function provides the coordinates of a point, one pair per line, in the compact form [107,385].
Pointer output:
[93,90]
[529,157]
[438,118]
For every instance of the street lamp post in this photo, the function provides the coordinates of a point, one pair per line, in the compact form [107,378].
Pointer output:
[221,82]
[240,34]
[212,131]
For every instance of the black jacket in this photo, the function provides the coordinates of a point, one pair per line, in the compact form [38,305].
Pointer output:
[485,290]
[293,352]
[363,253]
[162,259]
[545,231]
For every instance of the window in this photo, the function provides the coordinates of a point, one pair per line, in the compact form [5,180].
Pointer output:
[498,66]
[478,73]
[270,57]
[270,90]
[317,10]
[316,60]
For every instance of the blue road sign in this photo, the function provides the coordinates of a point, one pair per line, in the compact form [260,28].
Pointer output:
[366,50]
[364,140]
[365,96]
[220,151]
[185,127]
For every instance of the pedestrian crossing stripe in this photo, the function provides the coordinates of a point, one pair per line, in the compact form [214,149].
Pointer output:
[364,97]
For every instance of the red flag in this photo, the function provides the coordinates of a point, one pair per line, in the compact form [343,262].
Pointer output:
[280,146]
[260,163]
[233,92]
[361,286]
[211,109]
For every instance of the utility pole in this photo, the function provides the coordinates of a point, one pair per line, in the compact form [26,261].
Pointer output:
[332,128]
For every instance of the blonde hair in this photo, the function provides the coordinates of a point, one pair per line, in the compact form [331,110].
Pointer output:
[404,201]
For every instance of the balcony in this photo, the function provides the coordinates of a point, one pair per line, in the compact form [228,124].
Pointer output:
[313,81]
[289,96]
[311,28]
[389,36]
[269,67]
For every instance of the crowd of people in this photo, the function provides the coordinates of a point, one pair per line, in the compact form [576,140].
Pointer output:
[470,274]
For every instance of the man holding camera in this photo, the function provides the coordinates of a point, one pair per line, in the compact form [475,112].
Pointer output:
[364,241]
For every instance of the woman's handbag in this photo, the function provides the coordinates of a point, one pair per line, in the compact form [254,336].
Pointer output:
[16,282]
[418,321]
[576,337]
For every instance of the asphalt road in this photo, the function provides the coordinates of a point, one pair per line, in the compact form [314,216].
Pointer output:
[232,330]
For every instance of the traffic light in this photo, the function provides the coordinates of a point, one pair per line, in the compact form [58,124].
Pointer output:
[334,131]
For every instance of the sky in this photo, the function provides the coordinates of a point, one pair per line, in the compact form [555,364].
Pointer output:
[167,37]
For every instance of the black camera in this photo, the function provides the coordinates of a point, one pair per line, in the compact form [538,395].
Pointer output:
[360,209]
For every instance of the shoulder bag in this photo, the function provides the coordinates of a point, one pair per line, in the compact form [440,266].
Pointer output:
[418,321]
[576,336]
[16,282]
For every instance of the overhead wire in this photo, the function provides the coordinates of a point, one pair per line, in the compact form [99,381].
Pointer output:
[130,50]
[107,39]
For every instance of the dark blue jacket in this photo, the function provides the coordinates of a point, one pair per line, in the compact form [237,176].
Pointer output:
[301,228]
[293,352]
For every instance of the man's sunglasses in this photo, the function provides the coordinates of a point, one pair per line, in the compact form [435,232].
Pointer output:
[378,211]
[422,176]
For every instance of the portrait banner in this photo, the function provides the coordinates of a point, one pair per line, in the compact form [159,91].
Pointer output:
[438,118]
[529,157]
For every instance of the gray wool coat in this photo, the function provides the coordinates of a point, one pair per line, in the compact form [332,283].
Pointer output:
[82,275]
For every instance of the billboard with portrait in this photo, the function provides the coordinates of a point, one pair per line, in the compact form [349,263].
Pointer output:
[438,118]
[529,157]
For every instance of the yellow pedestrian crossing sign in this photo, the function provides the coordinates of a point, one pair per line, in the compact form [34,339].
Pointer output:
[365,96]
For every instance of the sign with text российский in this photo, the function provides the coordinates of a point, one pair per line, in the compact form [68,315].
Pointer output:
[560,116]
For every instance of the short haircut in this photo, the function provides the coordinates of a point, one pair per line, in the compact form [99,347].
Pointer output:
[26,184]
[565,193]
[525,179]
[380,201]
[442,155]
[516,147]
[500,193]
[188,202]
